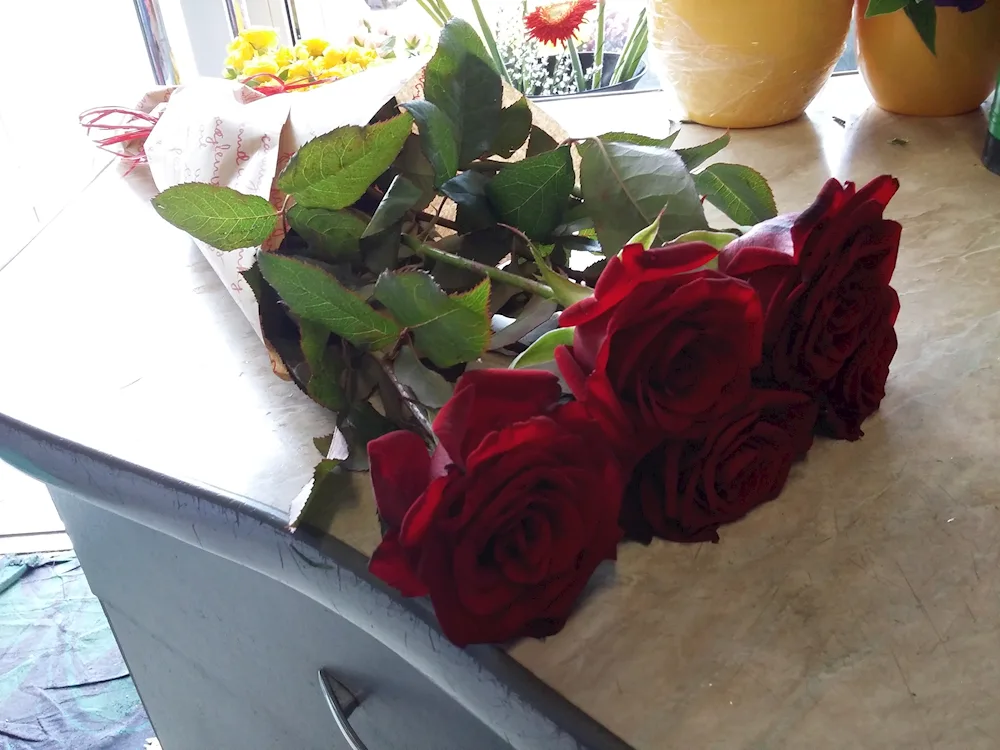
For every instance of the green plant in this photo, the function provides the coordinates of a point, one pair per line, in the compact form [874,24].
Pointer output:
[923,14]
[516,55]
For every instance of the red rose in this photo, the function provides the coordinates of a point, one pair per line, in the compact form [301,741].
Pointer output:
[660,347]
[859,387]
[684,490]
[505,524]
[820,276]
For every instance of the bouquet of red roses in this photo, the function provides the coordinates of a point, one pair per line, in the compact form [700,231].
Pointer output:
[448,231]
[697,376]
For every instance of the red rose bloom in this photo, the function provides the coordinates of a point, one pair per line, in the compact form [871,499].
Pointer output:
[661,348]
[859,387]
[821,276]
[684,490]
[505,524]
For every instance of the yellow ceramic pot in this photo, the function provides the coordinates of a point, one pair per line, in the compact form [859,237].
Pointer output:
[903,75]
[747,63]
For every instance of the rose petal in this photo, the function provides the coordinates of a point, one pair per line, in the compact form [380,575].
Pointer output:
[488,400]
[389,563]
[400,472]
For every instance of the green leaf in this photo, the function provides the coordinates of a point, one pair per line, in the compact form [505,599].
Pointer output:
[323,444]
[567,292]
[532,194]
[515,127]
[325,368]
[461,82]
[437,138]
[460,38]
[313,294]
[647,236]
[446,330]
[697,155]
[625,186]
[413,165]
[924,18]
[739,192]
[315,505]
[718,240]
[329,233]
[468,190]
[543,350]
[429,387]
[336,169]
[401,197]
[362,425]
[881,7]
[380,252]
[540,142]
[640,140]
[218,216]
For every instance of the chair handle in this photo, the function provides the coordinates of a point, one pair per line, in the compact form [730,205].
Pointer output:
[337,710]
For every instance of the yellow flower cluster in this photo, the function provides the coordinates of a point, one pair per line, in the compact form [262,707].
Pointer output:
[256,51]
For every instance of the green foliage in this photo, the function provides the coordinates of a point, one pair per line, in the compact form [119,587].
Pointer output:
[437,137]
[695,156]
[448,330]
[532,194]
[739,192]
[515,128]
[218,216]
[718,240]
[468,191]
[332,234]
[460,81]
[336,169]
[923,14]
[413,232]
[543,350]
[924,18]
[316,295]
[401,197]
[325,367]
[626,186]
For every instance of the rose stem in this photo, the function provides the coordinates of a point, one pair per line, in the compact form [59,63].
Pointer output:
[528,285]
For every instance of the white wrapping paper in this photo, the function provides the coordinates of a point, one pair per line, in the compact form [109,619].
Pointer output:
[224,133]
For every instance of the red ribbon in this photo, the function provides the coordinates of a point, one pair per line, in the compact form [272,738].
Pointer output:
[137,125]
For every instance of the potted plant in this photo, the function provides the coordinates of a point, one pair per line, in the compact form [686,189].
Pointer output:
[545,51]
[747,63]
[934,58]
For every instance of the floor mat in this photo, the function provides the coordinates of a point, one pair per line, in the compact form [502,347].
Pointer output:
[63,683]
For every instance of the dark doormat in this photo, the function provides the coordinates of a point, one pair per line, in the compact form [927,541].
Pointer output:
[63,683]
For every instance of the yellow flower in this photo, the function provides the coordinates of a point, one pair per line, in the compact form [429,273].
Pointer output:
[284,56]
[311,48]
[234,63]
[262,38]
[239,53]
[298,71]
[337,71]
[355,55]
[261,64]
[333,57]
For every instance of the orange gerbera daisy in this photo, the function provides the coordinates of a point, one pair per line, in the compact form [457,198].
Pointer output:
[558,22]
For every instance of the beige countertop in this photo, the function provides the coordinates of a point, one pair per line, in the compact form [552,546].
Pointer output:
[859,610]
